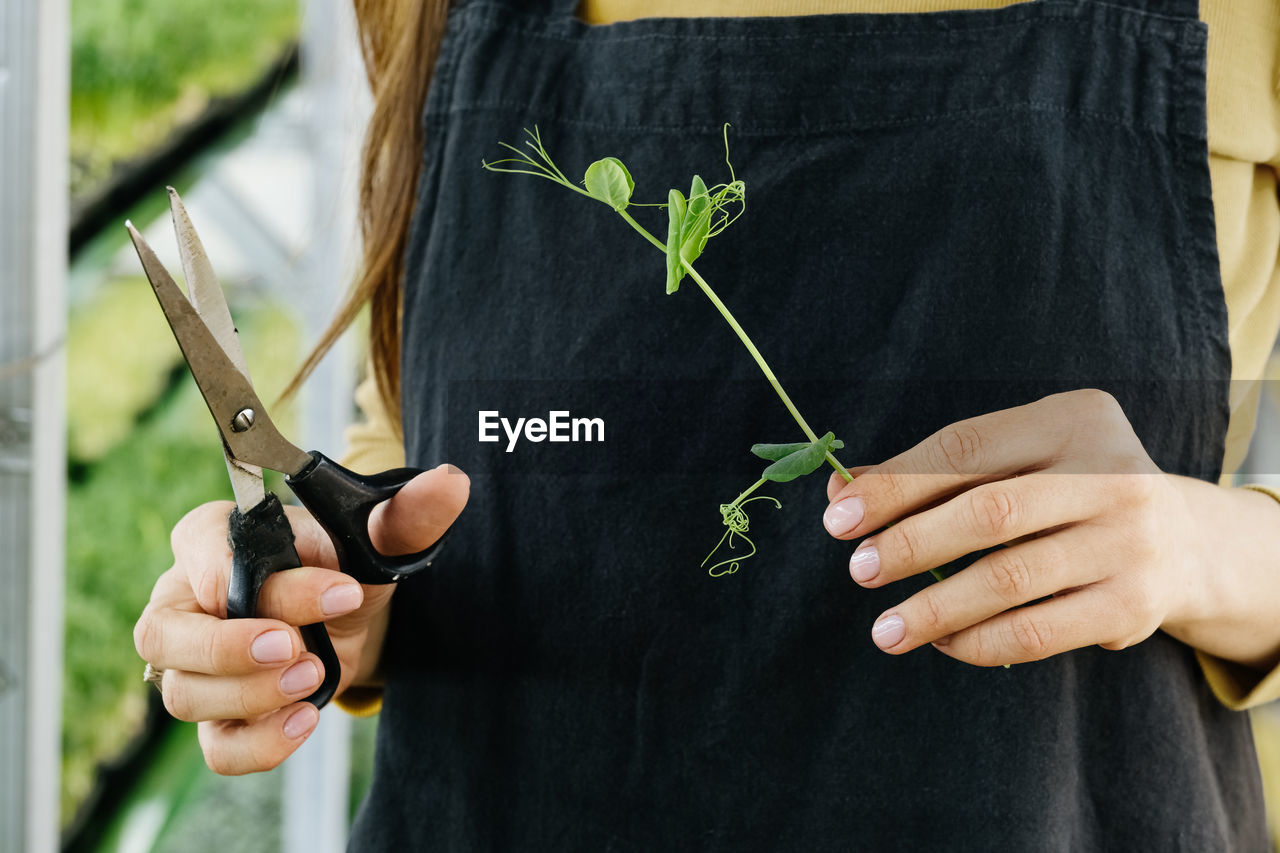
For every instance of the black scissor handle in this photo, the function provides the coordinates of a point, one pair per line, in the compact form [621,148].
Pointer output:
[341,501]
[262,544]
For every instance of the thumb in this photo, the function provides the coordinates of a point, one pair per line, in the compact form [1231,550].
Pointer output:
[836,483]
[421,512]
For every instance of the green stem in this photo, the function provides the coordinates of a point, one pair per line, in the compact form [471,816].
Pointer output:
[740,498]
[764,365]
[643,231]
[747,342]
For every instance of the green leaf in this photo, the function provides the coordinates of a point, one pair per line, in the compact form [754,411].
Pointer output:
[610,182]
[806,459]
[698,198]
[797,464]
[697,224]
[775,452]
[675,222]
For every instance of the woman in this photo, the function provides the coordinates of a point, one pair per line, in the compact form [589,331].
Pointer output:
[981,248]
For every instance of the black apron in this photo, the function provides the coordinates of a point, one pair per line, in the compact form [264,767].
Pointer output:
[948,214]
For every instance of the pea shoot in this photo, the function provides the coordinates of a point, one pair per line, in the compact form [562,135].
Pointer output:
[692,221]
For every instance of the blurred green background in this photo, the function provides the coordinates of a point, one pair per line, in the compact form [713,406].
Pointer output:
[139,67]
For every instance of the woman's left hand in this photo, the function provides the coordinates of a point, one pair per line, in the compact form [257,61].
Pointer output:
[1091,525]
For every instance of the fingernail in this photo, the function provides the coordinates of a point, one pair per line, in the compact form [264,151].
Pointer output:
[888,631]
[843,516]
[865,562]
[272,647]
[301,721]
[340,599]
[301,676]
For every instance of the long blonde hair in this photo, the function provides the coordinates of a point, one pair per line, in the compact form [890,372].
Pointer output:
[400,40]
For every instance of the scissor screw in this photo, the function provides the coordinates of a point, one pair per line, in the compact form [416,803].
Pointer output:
[243,420]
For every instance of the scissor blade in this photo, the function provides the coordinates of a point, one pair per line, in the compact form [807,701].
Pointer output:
[226,392]
[202,285]
[207,298]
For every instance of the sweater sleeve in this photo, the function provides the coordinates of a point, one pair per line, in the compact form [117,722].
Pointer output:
[372,445]
[1244,161]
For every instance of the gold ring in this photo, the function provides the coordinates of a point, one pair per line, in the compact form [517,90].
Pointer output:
[153,675]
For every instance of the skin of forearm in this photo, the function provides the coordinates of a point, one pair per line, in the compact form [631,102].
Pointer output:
[1232,603]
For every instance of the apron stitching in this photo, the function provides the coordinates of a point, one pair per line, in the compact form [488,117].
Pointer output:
[1160,16]
[954,32]
[1199,253]
[451,53]
[838,127]
[951,35]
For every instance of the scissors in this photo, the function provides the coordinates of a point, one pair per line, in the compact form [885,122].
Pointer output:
[259,533]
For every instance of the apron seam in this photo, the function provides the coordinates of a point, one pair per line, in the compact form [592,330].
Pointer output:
[1199,254]
[440,89]
[1043,107]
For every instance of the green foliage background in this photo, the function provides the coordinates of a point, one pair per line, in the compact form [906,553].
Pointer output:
[139,67]
[141,448]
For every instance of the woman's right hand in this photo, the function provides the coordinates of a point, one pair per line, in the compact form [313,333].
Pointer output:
[243,680]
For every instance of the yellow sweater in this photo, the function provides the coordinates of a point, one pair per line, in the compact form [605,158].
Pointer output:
[1244,156]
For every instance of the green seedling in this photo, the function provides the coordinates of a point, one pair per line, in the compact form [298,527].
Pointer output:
[691,222]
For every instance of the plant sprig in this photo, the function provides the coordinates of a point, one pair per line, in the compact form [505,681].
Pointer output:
[691,222]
